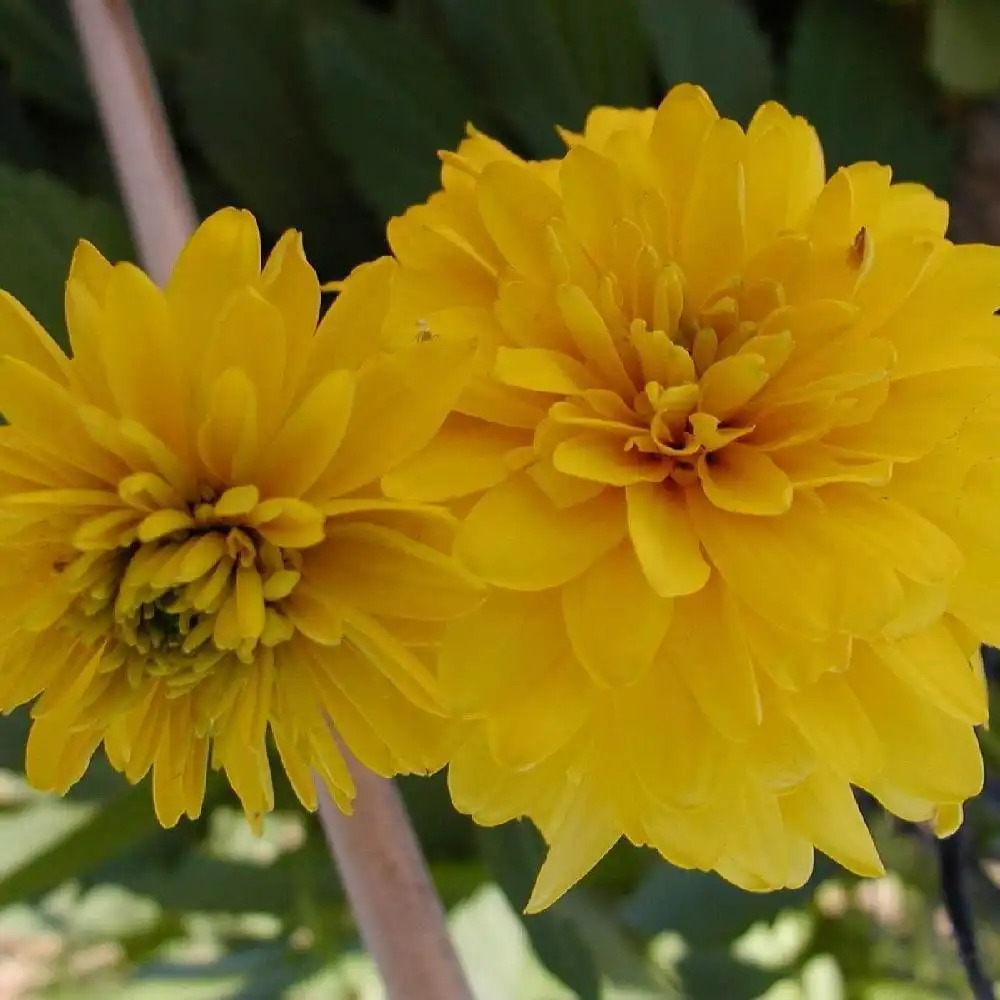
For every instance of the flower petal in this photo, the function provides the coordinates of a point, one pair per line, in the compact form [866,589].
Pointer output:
[465,456]
[665,541]
[614,619]
[744,480]
[515,537]
[384,572]
[707,645]
[400,402]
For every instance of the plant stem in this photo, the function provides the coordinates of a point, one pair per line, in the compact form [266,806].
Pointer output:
[391,894]
[397,910]
[145,160]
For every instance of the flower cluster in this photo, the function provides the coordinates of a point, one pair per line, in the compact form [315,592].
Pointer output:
[192,547]
[728,462]
[651,488]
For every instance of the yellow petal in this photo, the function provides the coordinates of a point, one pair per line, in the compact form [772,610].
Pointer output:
[140,356]
[45,412]
[593,338]
[587,833]
[221,257]
[683,121]
[713,239]
[678,764]
[237,501]
[163,522]
[417,738]
[928,754]
[286,521]
[399,664]
[523,732]
[707,645]
[614,619]
[289,283]
[57,757]
[21,336]
[515,204]
[542,370]
[350,331]
[400,402]
[464,457]
[729,384]
[824,810]
[250,333]
[775,565]
[604,459]
[835,722]
[384,572]
[907,541]
[744,480]
[306,443]
[249,602]
[228,437]
[932,664]
[486,657]
[664,539]
[785,172]
[515,537]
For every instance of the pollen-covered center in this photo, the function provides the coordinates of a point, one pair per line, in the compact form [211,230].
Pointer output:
[172,585]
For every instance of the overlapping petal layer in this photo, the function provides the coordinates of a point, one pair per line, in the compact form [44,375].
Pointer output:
[193,548]
[729,460]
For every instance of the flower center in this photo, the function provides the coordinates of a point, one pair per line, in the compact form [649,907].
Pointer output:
[182,587]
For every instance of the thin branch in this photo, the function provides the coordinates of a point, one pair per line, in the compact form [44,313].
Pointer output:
[145,160]
[959,910]
[399,914]
[394,902]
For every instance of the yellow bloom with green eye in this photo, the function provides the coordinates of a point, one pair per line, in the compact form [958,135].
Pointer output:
[728,460]
[193,549]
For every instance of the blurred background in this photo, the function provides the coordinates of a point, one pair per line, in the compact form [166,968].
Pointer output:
[325,115]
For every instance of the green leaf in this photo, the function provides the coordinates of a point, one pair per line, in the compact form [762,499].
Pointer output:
[514,853]
[42,222]
[37,42]
[204,884]
[50,841]
[708,975]
[714,43]
[619,955]
[850,73]
[167,30]
[389,100]
[246,105]
[964,39]
[19,143]
[609,49]
[703,908]
[517,56]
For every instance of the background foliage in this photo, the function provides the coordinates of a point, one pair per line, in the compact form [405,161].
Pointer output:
[326,115]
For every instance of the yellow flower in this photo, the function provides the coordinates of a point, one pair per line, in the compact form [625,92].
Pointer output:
[728,460]
[193,549]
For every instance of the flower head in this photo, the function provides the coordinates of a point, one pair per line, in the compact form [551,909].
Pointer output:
[728,460]
[193,550]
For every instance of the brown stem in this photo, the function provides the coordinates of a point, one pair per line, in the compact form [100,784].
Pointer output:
[398,912]
[387,883]
[146,163]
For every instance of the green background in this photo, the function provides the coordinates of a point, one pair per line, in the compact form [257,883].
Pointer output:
[325,115]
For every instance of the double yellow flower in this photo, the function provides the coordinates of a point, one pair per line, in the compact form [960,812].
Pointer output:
[651,489]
